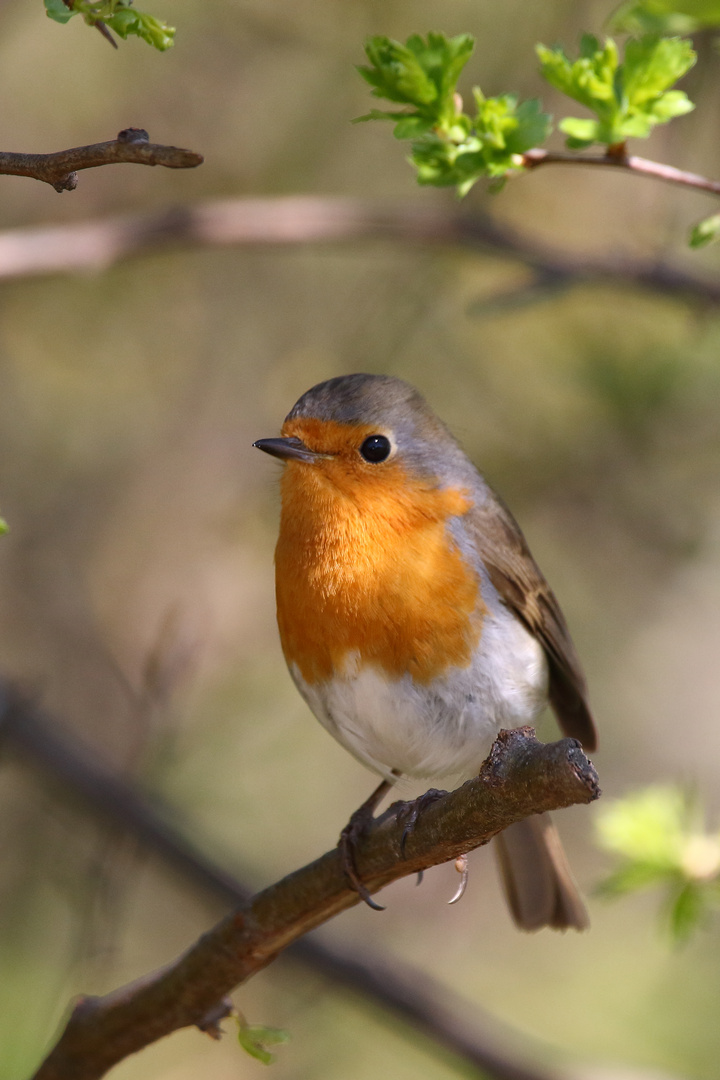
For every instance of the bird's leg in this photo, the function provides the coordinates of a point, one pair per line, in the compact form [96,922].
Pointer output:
[353,832]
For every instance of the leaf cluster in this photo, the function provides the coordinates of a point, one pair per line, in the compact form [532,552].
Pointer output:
[117,15]
[658,838]
[630,98]
[449,147]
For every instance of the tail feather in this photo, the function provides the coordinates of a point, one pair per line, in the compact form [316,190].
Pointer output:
[537,880]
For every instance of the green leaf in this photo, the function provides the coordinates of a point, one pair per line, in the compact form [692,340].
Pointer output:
[3,526]
[646,827]
[665,16]
[255,1040]
[705,232]
[380,114]
[578,144]
[422,73]
[631,877]
[57,10]
[687,910]
[408,125]
[671,104]
[653,64]
[582,131]
[590,79]
[156,33]
[630,98]
[443,59]
[396,73]
[589,45]
[411,127]
[506,130]
[532,127]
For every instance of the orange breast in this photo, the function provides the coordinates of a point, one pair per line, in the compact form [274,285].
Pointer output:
[365,565]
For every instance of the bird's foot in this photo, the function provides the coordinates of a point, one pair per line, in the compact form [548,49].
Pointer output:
[411,812]
[356,829]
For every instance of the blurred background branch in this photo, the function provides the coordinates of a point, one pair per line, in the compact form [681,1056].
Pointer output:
[309,220]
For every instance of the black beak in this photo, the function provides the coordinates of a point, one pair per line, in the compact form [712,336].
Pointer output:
[288,449]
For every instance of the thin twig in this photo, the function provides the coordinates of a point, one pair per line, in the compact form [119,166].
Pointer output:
[99,24]
[642,166]
[446,1019]
[131,146]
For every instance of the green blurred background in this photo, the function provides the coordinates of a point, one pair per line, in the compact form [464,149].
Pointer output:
[143,524]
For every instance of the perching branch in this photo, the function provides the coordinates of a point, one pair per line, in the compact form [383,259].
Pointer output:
[618,158]
[448,1021]
[520,777]
[296,219]
[60,170]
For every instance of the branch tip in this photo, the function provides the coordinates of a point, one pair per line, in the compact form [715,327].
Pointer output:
[131,146]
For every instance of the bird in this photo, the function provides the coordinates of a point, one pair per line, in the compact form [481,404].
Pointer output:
[412,616]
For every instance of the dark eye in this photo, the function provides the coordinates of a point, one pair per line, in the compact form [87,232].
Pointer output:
[376,448]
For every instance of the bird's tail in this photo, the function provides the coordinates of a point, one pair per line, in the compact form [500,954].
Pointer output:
[537,880]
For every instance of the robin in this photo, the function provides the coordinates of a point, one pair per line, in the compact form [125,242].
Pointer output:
[413,618]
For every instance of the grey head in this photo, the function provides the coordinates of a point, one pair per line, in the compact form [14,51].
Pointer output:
[361,399]
[399,411]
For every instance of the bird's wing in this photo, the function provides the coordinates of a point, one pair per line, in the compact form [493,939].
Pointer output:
[518,580]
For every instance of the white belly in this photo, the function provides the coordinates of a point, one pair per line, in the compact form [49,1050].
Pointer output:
[445,727]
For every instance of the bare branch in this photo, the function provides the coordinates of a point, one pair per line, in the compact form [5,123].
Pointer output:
[60,170]
[292,220]
[443,1017]
[520,777]
[619,159]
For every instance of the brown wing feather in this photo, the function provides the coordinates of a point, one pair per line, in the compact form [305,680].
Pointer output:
[521,586]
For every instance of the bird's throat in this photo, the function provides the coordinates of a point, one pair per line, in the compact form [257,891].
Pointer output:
[375,578]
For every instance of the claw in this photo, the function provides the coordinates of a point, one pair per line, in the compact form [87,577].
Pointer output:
[461,865]
[420,876]
[355,829]
[348,840]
